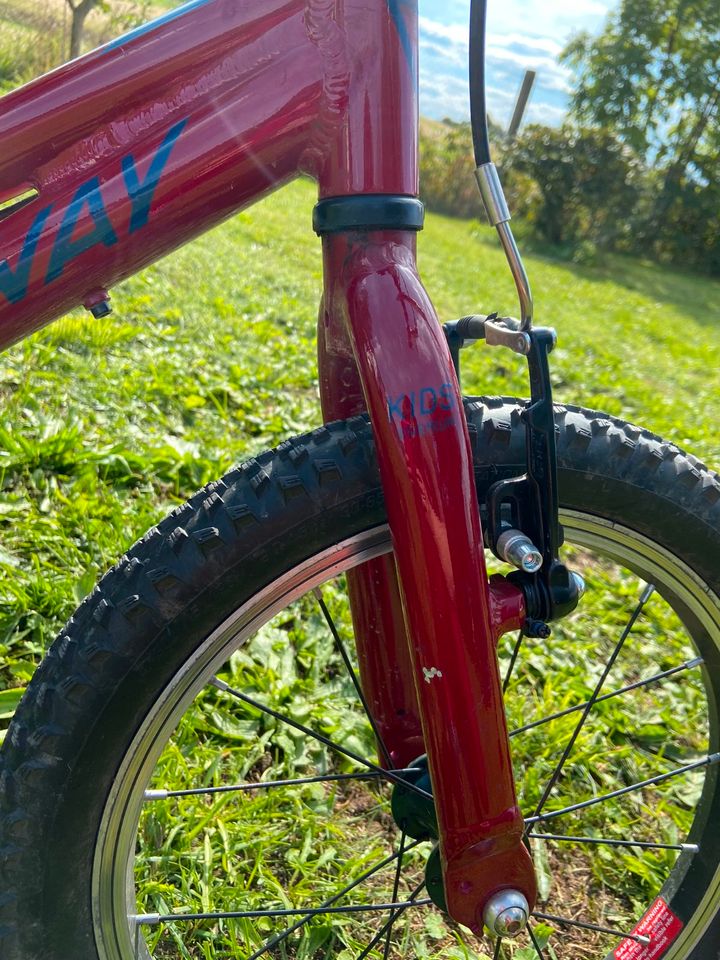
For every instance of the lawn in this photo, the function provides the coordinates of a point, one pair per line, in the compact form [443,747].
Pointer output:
[209,358]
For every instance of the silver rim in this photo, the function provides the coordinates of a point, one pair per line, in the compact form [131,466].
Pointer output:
[114,904]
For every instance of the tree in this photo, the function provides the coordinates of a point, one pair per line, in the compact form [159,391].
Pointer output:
[587,181]
[80,10]
[120,16]
[653,77]
[447,178]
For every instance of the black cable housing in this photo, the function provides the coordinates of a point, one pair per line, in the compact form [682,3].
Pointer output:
[478,106]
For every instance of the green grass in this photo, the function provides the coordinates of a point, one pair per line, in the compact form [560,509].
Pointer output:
[210,357]
[35,34]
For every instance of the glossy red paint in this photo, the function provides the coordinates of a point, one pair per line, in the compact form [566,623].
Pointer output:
[378,329]
[386,669]
[142,145]
[507,606]
[382,647]
[374,149]
[381,642]
[426,470]
[248,82]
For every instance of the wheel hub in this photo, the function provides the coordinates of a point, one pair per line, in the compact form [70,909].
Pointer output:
[414,814]
[417,818]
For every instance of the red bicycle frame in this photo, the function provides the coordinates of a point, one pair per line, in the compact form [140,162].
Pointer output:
[115,159]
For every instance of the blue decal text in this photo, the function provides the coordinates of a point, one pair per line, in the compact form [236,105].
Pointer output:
[65,248]
[14,285]
[141,193]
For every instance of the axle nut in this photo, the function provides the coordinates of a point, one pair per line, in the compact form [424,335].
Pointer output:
[506,913]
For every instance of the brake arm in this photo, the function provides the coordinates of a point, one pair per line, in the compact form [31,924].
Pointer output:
[522,524]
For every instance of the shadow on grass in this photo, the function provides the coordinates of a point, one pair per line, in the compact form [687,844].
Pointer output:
[695,294]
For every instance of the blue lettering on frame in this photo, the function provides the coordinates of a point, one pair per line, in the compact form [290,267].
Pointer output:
[14,285]
[394,408]
[65,248]
[428,400]
[86,222]
[141,192]
[425,402]
[445,396]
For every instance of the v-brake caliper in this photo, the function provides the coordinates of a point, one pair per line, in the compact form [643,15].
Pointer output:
[521,523]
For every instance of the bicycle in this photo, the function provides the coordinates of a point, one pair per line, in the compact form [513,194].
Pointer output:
[133,149]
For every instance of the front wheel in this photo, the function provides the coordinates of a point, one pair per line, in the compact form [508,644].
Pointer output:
[191,774]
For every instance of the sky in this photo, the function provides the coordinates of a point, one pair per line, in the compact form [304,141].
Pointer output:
[521,34]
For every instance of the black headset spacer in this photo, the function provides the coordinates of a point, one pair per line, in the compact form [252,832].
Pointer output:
[368,211]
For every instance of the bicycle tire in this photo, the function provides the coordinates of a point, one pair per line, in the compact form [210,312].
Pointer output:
[60,763]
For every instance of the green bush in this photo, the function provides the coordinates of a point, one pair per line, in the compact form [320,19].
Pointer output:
[588,185]
[447,182]
[30,44]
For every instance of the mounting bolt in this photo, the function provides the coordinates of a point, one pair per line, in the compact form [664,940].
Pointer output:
[515,548]
[506,913]
[100,310]
[98,303]
[536,628]
[522,344]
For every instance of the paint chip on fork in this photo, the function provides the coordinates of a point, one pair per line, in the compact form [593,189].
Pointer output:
[430,673]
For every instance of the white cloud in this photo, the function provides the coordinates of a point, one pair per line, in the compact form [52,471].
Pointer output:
[545,44]
[443,97]
[549,18]
[525,61]
[450,53]
[443,53]
[522,35]
[456,33]
[545,113]
[521,50]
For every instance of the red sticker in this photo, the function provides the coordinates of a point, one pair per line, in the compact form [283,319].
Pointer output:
[661,926]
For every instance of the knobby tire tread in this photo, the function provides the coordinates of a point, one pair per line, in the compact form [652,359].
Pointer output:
[286,503]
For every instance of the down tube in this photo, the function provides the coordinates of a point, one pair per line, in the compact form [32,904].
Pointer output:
[426,470]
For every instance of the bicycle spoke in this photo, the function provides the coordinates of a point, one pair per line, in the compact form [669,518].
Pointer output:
[396,888]
[513,658]
[643,844]
[263,708]
[353,676]
[381,932]
[687,665]
[153,919]
[284,934]
[586,925]
[533,938]
[391,910]
[708,761]
[644,597]
[265,784]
